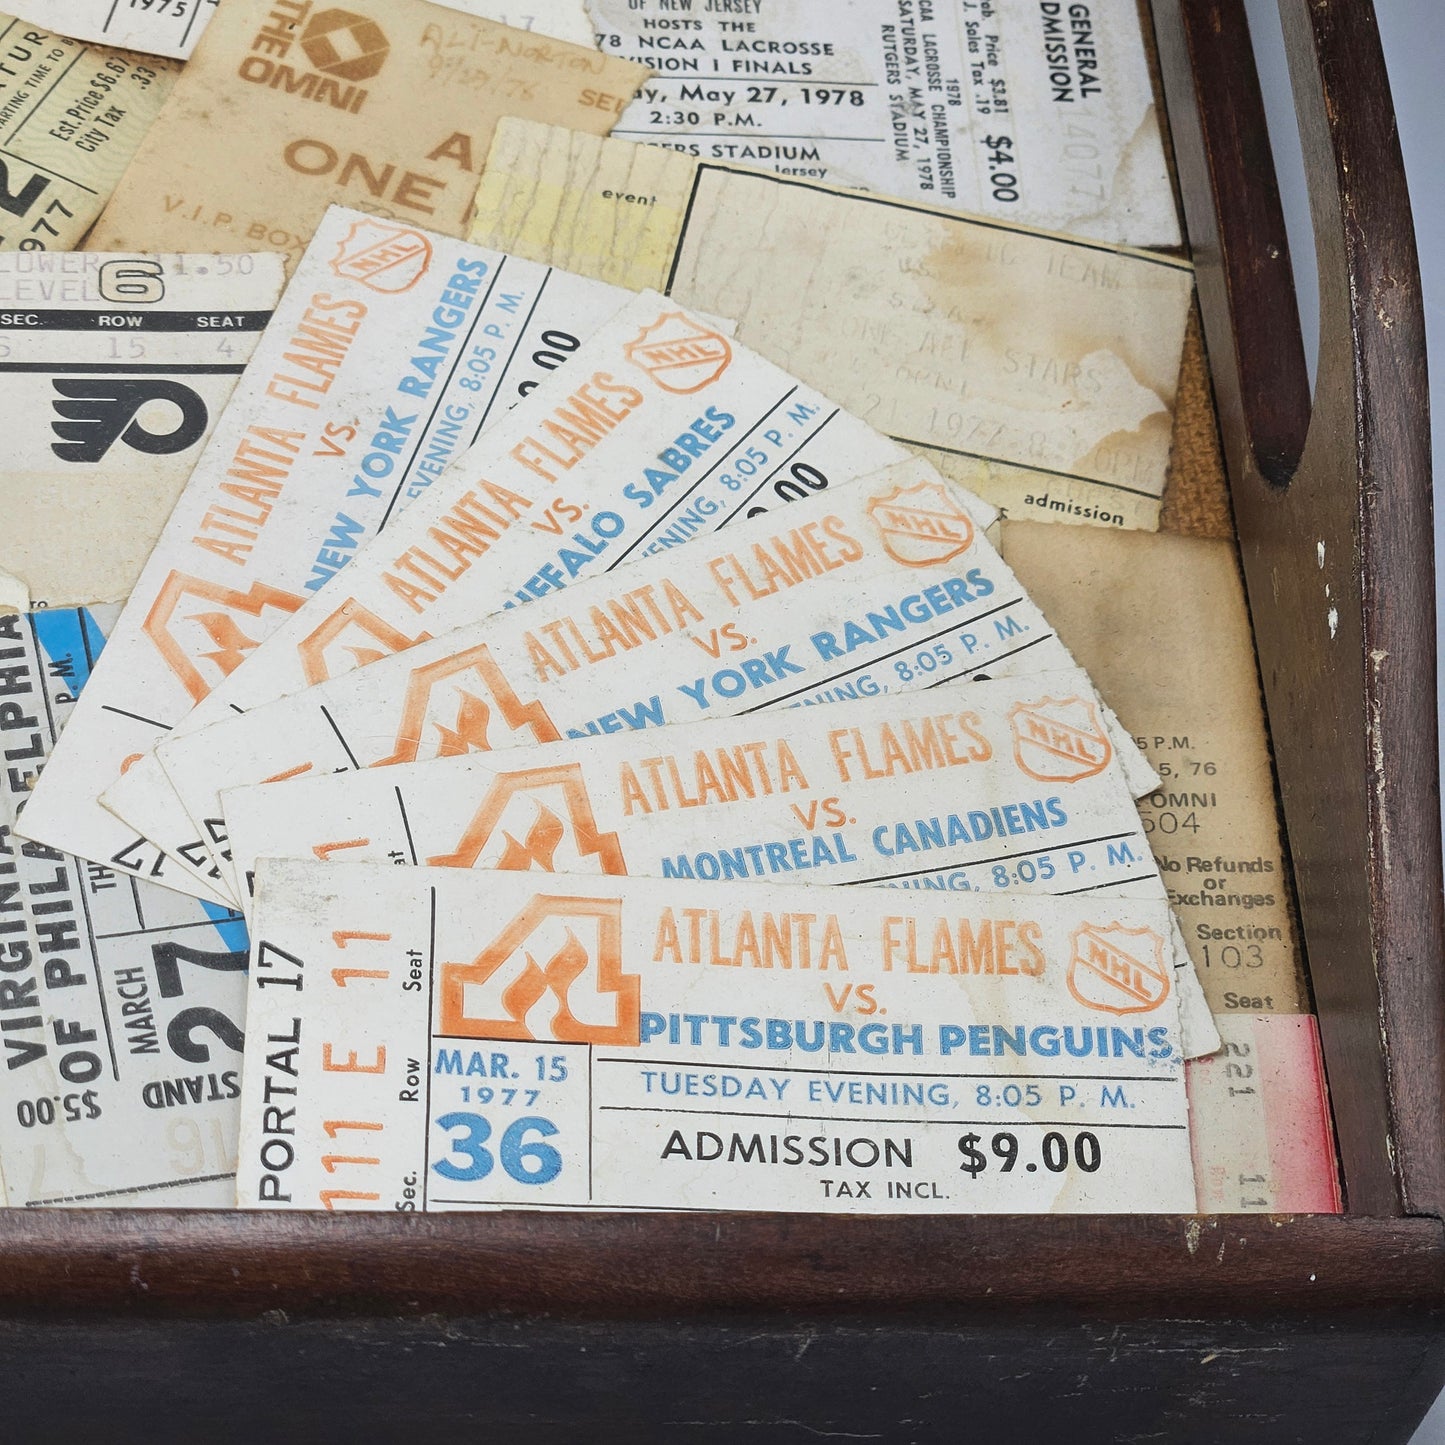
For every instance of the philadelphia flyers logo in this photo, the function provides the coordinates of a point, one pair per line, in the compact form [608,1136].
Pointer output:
[94,412]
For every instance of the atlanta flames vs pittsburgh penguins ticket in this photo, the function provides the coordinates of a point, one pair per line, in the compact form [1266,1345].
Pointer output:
[659,428]
[436,1039]
[365,386]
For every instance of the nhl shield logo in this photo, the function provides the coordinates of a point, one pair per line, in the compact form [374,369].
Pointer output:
[1059,739]
[1118,970]
[922,526]
[678,354]
[193,621]
[554,973]
[382,256]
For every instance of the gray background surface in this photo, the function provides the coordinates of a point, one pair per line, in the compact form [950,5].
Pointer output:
[1414,44]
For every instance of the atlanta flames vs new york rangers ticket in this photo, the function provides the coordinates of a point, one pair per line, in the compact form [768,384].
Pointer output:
[436,1039]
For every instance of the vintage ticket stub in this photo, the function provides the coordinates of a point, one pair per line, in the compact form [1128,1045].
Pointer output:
[121,1004]
[172,27]
[883,585]
[1036,113]
[1007,785]
[115,370]
[366,385]
[431,1040]
[1187,688]
[1034,802]
[291,105]
[71,118]
[1039,370]
[1259,1119]
[661,428]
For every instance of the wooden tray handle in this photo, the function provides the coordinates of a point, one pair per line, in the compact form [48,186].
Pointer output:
[1333,510]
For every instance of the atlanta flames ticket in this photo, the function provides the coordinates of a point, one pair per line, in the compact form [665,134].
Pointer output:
[1011,785]
[661,428]
[432,1040]
[115,369]
[172,27]
[1034,111]
[389,351]
[121,1004]
[882,585]
[71,118]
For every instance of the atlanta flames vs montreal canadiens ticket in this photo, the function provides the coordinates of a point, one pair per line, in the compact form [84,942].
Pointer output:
[436,1039]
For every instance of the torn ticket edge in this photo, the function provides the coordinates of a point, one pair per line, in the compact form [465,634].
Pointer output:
[851,794]
[124,1002]
[73,118]
[116,368]
[487,1042]
[880,585]
[1038,370]
[660,428]
[1259,1120]
[391,112]
[1037,119]
[363,388]
[174,30]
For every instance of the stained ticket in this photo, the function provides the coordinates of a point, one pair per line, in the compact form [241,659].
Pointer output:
[1039,370]
[1259,1118]
[1033,801]
[115,370]
[172,27]
[660,429]
[882,585]
[430,1040]
[1188,688]
[1033,111]
[292,105]
[121,1004]
[388,352]
[71,118]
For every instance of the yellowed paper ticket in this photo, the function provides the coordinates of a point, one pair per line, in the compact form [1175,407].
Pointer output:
[1161,625]
[880,586]
[1039,370]
[661,428]
[1039,112]
[291,105]
[431,1040]
[391,348]
[71,117]
[115,370]
[172,27]
[121,1004]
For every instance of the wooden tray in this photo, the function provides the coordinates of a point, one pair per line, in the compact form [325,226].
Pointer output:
[152,1327]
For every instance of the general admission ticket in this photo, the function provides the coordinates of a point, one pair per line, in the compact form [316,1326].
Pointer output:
[425,1039]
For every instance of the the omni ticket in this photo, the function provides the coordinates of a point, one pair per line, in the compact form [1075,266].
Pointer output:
[882,585]
[172,27]
[1036,111]
[389,350]
[431,1040]
[115,368]
[121,1004]
[1038,370]
[71,117]
[1010,785]
[290,106]
[660,428]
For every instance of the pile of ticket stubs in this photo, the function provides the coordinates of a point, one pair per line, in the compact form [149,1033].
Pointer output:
[584,622]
